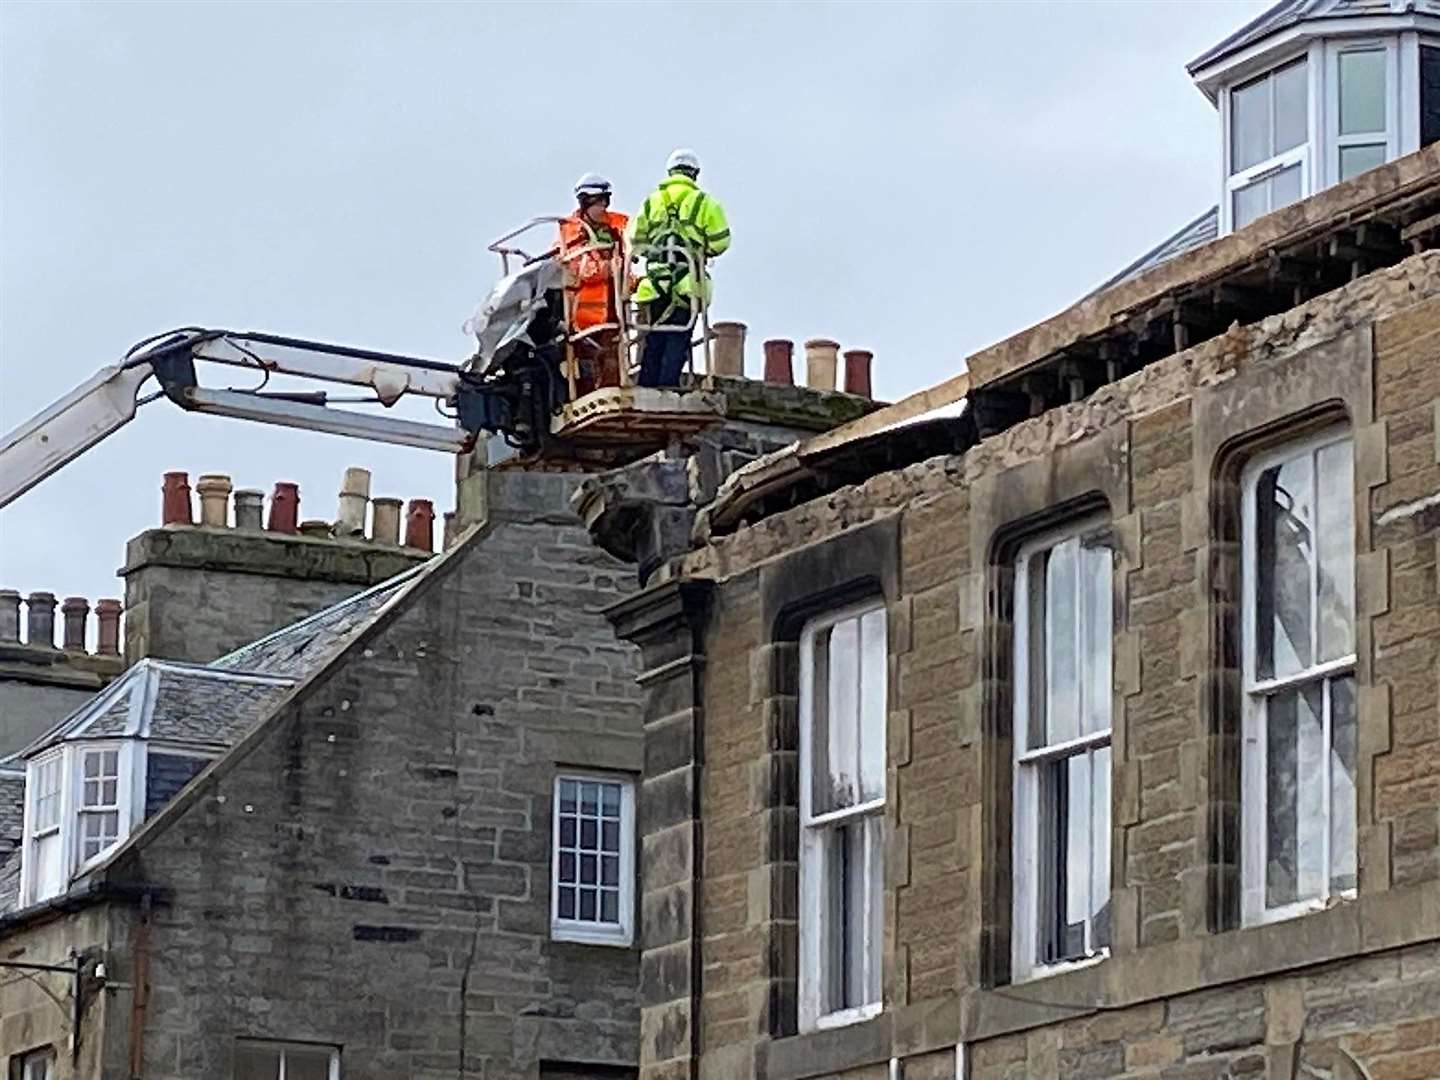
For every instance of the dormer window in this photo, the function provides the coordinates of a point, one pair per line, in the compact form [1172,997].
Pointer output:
[99,801]
[1362,135]
[1315,94]
[1269,142]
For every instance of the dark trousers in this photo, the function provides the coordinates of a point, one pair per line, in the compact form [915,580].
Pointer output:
[664,355]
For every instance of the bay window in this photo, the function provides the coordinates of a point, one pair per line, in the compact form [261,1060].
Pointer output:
[1298,801]
[1063,635]
[843,702]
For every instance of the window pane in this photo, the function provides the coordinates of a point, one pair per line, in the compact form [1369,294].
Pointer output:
[587,905]
[610,870]
[872,705]
[1098,627]
[567,832]
[566,869]
[1100,846]
[1062,676]
[1355,160]
[1335,532]
[256,1063]
[1250,202]
[1342,784]
[307,1064]
[590,799]
[1285,187]
[609,906]
[1362,91]
[842,738]
[1284,547]
[567,796]
[1077,855]
[566,906]
[1294,797]
[1249,125]
[92,765]
[610,800]
[853,909]
[1292,113]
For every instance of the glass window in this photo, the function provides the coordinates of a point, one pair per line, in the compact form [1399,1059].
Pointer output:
[36,1065]
[99,801]
[1299,615]
[593,860]
[46,778]
[1278,189]
[285,1061]
[1064,627]
[1362,91]
[843,702]
[1355,160]
[1268,116]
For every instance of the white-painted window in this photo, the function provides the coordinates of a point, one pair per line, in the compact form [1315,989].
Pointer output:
[1298,803]
[592,892]
[36,1065]
[1064,635]
[1362,110]
[99,802]
[1269,152]
[263,1060]
[46,843]
[843,695]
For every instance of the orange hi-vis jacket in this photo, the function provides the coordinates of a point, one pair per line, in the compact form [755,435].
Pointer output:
[590,275]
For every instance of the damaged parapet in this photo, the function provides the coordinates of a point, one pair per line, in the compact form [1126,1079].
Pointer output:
[644,512]
[204,583]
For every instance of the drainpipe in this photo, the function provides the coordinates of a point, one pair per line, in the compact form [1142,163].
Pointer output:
[140,996]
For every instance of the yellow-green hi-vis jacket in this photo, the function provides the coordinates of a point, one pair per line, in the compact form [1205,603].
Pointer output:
[677,210]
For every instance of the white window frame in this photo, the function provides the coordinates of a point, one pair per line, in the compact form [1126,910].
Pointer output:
[82,753]
[1025,843]
[1333,141]
[1256,692]
[37,1064]
[585,931]
[815,827]
[1297,155]
[281,1047]
[130,793]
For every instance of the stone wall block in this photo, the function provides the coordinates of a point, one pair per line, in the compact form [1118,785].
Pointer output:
[1372,455]
[1372,583]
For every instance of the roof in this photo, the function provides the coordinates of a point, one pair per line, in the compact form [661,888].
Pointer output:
[1288,13]
[1202,230]
[1185,291]
[205,708]
[297,650]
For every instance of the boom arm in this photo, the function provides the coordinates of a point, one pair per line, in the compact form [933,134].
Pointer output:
[108,400]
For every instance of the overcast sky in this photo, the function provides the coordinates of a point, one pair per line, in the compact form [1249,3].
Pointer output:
[918,179]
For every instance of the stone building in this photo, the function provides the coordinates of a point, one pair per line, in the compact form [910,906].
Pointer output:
[1078,717]
[394,838]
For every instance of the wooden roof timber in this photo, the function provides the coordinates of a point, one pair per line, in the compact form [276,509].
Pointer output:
[1276,262]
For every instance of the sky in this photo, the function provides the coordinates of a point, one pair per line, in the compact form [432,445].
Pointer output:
[919,179]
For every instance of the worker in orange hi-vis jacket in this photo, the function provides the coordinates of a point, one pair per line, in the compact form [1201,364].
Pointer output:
[592,250]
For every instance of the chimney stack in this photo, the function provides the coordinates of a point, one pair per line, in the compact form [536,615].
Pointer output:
[175,506]
[857,371]
[214,490]
[354,497]
[385,525]
[420,525]
[40,620]
[821,356]
[779,357]
[315,527]
[107,614]
[249,509]
[74,611]
[9,617]
[729,348]
[285,508]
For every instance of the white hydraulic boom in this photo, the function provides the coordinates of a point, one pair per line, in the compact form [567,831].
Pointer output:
[108,400]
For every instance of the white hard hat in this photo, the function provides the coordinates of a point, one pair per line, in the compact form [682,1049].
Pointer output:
[682,159]
[592,184]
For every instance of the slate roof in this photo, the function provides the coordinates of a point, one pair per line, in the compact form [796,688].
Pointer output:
[1289,12]
[12,810]
[1200,231]
[207,707]
[300,648]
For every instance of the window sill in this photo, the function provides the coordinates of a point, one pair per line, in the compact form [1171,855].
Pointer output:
[1047,971]
[828,1051]
[587,934]
[846,1017]
[1300,909]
